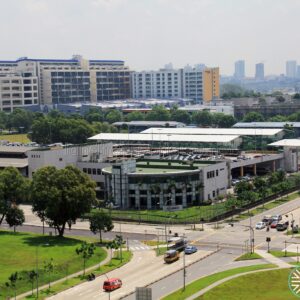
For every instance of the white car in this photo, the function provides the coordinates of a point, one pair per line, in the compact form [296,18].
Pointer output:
[260,225]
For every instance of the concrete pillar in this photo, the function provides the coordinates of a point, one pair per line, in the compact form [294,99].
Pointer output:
[173,196]
[273,166]
[241,171]
[193,193]
[184,197]
[161,199]
[148,199]
[137,198]
[254,169]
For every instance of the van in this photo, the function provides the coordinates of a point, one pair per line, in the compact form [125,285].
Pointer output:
[112,284]
[171,256]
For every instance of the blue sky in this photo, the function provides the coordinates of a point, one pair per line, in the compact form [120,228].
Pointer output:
[150,33]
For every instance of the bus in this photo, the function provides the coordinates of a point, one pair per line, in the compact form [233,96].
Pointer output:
[171,256]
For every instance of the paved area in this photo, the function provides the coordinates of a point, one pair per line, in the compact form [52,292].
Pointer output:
[272,259]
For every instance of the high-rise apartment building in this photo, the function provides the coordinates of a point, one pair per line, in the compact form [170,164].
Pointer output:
[198,83]
[63,81]
[259,71]
[239,69]
[298,71]
[291,68]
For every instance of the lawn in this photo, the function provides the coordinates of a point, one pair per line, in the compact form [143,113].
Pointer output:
[278,253]
[203,282]
[161,251]
[248,256]
[21,138]
[153,243]
[19,252]
[269,285]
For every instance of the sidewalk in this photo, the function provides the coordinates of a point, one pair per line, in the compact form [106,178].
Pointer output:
[45,286]
[272,259]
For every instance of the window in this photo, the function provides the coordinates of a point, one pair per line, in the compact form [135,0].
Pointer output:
[60,159]
[84,170]
[98,171]
[89,171]
[94,171]
[217,172]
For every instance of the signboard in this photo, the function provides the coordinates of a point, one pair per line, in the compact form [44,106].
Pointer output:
[143,293]
[172,207]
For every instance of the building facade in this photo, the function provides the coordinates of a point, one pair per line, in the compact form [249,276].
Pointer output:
[153,184]
[260,71]
[198,83]
[67,81]
[291,69]
[239,69]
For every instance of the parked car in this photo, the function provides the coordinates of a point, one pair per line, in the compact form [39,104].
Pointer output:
[190,249]
[260,225]
[274,224]
[277,218]
[282,226]
[112,284]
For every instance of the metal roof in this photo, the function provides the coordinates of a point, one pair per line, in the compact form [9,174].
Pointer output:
[13,162]
[266,124]
[287,143]
[214,131]
[149,123]
[142,137]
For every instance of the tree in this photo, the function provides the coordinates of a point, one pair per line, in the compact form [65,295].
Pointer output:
[86,251]
[202,118]
[111,245]
[94,115]
[223,121]
[15,217]
[32,278]
[13,189]
[49,268]
[100,221]
[180,116]
[280,99]
[13,278]
[61,196]
[296,96]
[119,243]
[158,113]
[114,116]
[135,116]
[253,117]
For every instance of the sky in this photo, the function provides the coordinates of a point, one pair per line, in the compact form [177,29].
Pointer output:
[148,34]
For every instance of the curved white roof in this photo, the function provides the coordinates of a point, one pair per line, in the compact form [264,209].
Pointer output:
[215,131]
[164,137]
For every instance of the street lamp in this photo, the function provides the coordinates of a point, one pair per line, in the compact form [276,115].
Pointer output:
[184,268]
[165,204]
[108,290]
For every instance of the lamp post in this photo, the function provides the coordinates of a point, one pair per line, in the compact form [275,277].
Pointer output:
[109,290]
[184,268]
[165,204]
[251,230]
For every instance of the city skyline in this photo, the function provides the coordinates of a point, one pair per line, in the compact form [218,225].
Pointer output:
[150,34]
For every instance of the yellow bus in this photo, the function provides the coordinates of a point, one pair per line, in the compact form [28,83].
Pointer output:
[171,256]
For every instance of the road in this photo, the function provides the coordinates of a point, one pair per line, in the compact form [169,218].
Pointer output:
[144,268]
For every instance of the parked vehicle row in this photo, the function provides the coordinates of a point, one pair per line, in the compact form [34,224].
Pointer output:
[274,221]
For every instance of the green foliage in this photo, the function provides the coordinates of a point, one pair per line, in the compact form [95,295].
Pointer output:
[158,113]
[86,251]
[113,116]
[296,96]
[135,116]
[13,189]
[12,281]
[15,217]
[100,221]
[253,117]
[202,118]
[61,196]
[94,115]
[223,121]
[180,116]
[31,276]
[49,268]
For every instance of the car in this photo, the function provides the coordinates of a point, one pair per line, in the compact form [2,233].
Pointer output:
[112,284]
[274,224]
[277,218]
[260,225]
[282,226]
[267,219]
[190,249]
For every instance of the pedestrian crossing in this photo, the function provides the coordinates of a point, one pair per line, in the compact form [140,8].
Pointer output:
[135,245]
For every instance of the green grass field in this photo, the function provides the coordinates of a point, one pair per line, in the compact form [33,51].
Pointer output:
[278,253]
[269,285]
[203,282]
[21,138]
[19,252]
[248,256]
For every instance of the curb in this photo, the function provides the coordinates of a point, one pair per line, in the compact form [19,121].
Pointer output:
[161,278]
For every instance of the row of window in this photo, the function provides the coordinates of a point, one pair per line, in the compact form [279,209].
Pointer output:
[212,174]
[92,171]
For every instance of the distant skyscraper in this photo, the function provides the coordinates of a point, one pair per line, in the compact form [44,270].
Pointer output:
[239,69]
[298,71]
[259,71]
[291,67]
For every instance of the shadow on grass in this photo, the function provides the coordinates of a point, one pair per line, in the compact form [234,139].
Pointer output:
[44,241]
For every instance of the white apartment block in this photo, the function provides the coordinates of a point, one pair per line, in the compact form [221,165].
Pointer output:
[169,83]
[66,80]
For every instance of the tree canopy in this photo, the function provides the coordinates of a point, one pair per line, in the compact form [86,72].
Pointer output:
[61,195]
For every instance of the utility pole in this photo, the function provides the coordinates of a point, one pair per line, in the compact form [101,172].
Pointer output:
[37,274]
[184,269]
